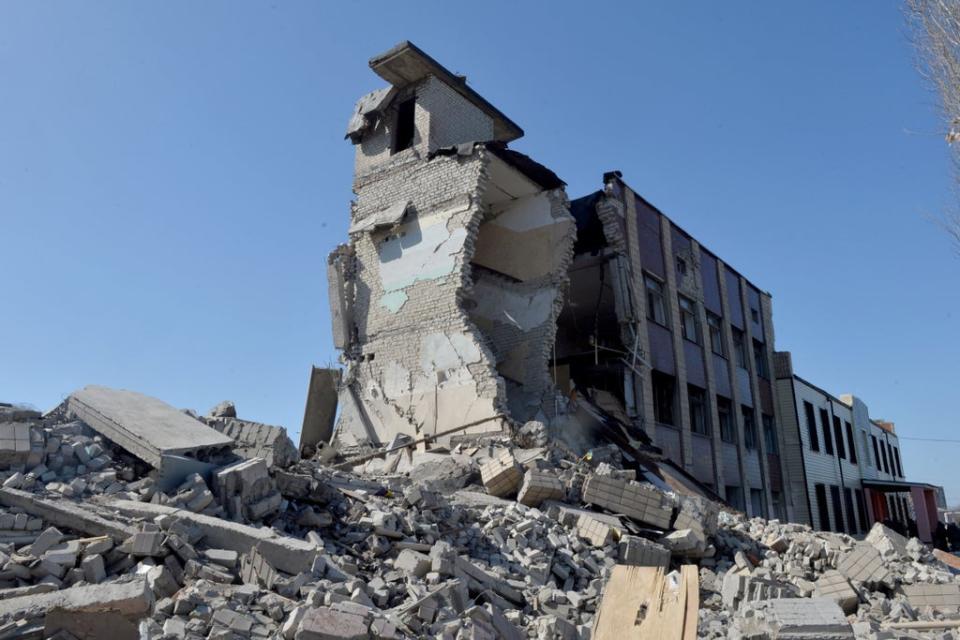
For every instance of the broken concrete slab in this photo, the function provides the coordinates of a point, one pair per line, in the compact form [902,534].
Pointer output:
[501,475]
[796,618]
[539,486]
[321,409]
[144,426]
[833,585]
[640,502]
[67,514]
[257,440]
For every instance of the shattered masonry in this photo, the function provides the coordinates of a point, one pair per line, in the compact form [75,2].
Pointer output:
[445,301]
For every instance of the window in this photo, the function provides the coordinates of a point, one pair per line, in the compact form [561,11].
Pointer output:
[837,509]
[749,428]
[734,496]
[876,450]
[754,315]
[698,410]
[811,426]
[716,334]
[866,447]
[725,415]
[756,504]
[862,509]
[403,137]
[838,436]
[825,430]
[769,434]
[656,310]
[688,319]
[760,359]
[848,503]
[822,509]
[850,442]
[738,348]
[663,391]
[779,509]
[883,456]
[681,267]
[896,459]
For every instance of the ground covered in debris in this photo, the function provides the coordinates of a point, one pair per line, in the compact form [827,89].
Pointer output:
[107,535]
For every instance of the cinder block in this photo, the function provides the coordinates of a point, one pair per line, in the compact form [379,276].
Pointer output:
[640,552]
[833,585]
[797,618]
[595,532]
[501,476]
[640,502]
[942,597]
[864,564]
[539,486]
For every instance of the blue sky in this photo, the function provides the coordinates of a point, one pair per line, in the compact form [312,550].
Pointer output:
[173,175]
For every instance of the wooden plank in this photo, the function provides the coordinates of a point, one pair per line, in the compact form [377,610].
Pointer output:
[644,602]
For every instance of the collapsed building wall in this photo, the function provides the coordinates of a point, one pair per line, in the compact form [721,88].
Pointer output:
[445,299]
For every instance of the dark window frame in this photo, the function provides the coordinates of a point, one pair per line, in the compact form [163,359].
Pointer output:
[405,131]
[749,427]
[688,315]
[698,397]
[739,347]
[728,428]
[820,493]
[837,503]
[664,408]
[852,445]
[760,359]
[769,434]
[838,438]
[811,426]
[715,327]
[656,301]
[825,430]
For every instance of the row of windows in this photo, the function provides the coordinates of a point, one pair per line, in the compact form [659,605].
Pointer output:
[663,409]
[841,501]
[690,327]
[884,461]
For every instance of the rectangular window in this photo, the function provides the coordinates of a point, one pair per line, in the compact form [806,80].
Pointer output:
[403,137]
[734,496]
[850,442]
[769,434]
[681,268]
[760,359]
[689,323]
[716,334]
[896,459]
[866,447]
[779,509]
[739,350]
[822,510]
[837,509]
[749,428]
[756,504]
[825,430]
[698,410]
[848,503]
[663,393]
[725,415]
[883,456]
[838,436]
[811,426]
[876,450]
[754,315]
[656,309]
[862,509]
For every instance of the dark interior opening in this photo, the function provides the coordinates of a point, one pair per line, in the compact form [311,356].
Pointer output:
[405,129]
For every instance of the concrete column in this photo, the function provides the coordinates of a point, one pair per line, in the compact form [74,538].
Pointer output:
[711,385]
[673,308]
[766,312]
[732,372]
[755,391]
[640,311]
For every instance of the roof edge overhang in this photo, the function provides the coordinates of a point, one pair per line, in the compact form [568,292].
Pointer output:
[406,63]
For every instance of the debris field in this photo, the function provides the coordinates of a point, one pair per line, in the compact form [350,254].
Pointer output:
[123,517]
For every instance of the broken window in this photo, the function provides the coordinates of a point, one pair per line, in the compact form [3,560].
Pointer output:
[688,319]
[811,426]
[681,268]
[724,415]
[754,315]
[850,442]
[749,427]
[698,410]
[663,393]
[756,503]
[656,309]
[716,334]
[838,436]
[862,508]
[760,359]
[876,450]
[837,509]
[405,129]
[734,496]
[883,456]
[825,430]
[739,350]
[896,459]
[848,504]
[769,434]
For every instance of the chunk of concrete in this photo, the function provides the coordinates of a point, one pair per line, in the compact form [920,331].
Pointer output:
[145,427]
[833,585]
[641,502]
[321,409]
[796,618]
[890,544]
[863,564]
[539,486]
[324,623]
[501,476]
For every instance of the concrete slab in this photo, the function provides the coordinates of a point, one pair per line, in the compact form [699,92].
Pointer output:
[146,427]
[321,409]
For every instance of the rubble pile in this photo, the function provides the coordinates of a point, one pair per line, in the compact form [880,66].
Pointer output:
[489,538]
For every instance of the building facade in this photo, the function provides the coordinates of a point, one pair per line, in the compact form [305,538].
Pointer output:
[681,340]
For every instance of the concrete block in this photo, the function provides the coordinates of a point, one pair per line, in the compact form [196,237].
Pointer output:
[833,585]
[796,618]
[941,597]
[539,486]
[863,564]
[94,570]
[642,503]
[593,531]
[323,623]
[412,563]
[502,475]
[640,552]
[890,544]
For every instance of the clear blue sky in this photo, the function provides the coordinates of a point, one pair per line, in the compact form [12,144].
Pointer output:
[173,175]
